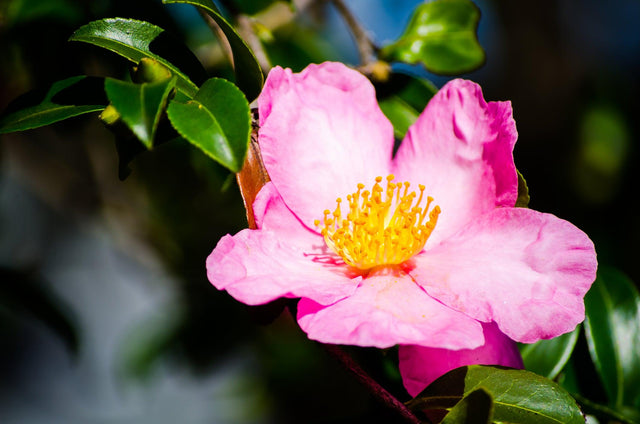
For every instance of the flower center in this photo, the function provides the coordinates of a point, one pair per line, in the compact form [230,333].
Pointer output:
[382,227]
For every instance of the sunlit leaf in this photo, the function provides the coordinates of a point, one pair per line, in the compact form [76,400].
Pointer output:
[140,105]
[217,120]
[247,70]
[474,408]
[135,40]
[442,36]
[612,328]
[548,357]
[62,100]
[519,396]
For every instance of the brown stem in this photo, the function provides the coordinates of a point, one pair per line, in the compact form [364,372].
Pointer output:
[363,42]
[373,386]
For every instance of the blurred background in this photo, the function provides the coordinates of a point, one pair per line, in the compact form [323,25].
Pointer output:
[106,314]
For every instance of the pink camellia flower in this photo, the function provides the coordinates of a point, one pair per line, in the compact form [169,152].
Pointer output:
[423,249]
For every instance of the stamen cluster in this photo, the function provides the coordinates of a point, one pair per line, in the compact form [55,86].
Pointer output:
[384,226]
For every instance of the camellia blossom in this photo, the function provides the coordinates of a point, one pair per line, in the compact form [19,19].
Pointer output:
[424,249]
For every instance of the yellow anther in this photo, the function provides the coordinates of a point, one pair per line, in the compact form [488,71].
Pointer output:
[378,231]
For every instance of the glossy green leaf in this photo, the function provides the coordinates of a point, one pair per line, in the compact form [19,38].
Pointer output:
[442,36]
[62,100]
[140,105]
[474,408]
[247,70]
[518,396]
[217,120]
[136,40]
[612,328]
[548,357]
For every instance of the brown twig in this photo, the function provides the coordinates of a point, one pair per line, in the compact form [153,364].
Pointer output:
[364,44]
[373,386]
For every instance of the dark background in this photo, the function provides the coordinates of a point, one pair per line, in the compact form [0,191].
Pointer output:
[106,315]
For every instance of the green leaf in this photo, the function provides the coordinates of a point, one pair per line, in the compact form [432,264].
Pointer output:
[401,115]
[62,100]
[247,70]
[523,192]
[474,408]
[217,120]
[548,357]
[136,40]
[140,105]
[442,36]
[519,396]
[402,98]
[612,327]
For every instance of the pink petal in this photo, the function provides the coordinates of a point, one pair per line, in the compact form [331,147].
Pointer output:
[321,133]
[282,259]
[387,310]
[461,148]
[420,366]
[523,269]
[272,214]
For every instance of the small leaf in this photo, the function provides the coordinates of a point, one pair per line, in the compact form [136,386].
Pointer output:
[474,408]
[612,328]
[402,98]
[140,105]
[64,99]
[217,120]
[519,396]
[401,115]
[523,192]
[548,357]
[135,40]
[442,36]
[247,70]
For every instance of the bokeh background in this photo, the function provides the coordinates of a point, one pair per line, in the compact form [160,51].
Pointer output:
[106,315]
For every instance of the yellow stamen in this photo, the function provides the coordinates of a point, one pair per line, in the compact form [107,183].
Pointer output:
[378,231]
